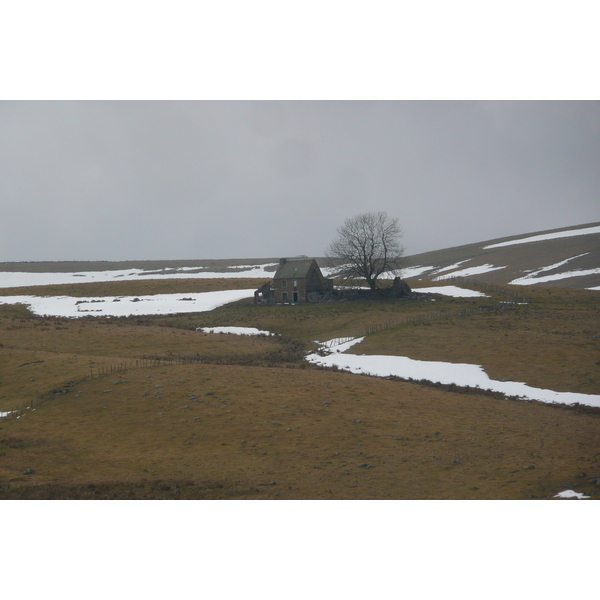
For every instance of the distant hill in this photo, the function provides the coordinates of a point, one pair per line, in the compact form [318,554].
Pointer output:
[567,257]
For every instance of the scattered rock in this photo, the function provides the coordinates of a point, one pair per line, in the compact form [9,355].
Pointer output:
[581,475]
[356,421]
[474,488]
[529,467]
[275,423]
[28,471]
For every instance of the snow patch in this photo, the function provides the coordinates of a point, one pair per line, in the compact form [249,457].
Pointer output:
[451,290]
[546,236]
[555,277]
[410,272]
[461,374]
[22,279]
[235,330]
[124,306]
[339,344]
[487,268]
[570,494]
[535,272]
[452,267]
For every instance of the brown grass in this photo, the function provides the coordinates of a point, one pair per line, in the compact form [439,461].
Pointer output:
[555,349]
[38,354]
[257,432]
[106,438]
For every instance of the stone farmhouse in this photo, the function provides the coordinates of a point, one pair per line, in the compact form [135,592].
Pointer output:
[296,281]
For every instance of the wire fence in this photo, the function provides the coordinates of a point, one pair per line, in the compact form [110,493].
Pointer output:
[121,367]
[420,318]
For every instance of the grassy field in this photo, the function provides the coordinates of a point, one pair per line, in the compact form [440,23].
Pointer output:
[249,418]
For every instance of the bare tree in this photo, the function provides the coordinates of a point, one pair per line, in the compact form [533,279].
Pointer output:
[367,245]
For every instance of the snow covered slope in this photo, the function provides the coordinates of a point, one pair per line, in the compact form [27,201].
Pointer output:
[568,257]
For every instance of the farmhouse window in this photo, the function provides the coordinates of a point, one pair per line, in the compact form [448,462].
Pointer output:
[284,283]
[284,296]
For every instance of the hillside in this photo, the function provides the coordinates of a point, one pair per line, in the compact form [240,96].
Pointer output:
[567,257]
[151,404]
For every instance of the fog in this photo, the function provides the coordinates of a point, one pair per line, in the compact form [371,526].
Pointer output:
[118,180]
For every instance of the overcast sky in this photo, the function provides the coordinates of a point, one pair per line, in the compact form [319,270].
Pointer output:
[118,180]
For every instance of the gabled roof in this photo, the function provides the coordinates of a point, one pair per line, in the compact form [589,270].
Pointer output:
[295,268]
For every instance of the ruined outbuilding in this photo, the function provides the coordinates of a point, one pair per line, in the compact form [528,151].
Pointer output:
[400,289]
[296,281]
